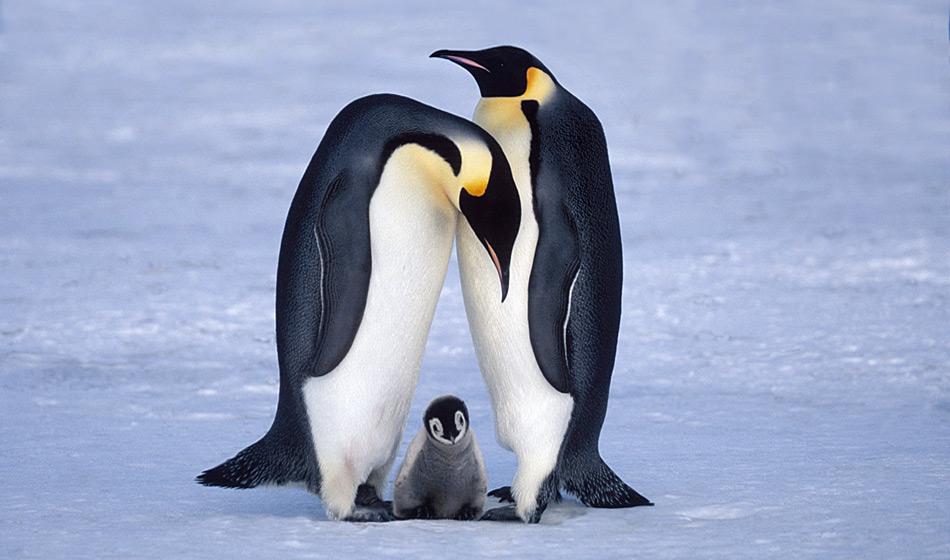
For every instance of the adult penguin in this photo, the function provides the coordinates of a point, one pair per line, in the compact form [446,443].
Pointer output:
[547,353]
[362,260]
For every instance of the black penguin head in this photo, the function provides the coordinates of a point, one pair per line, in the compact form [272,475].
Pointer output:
[446,420]
[499,71]
[495,214]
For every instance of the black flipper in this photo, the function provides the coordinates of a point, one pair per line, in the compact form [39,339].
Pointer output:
[323,273]
[556,263]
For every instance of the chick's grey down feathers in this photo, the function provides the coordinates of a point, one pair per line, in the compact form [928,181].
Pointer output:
[439,481]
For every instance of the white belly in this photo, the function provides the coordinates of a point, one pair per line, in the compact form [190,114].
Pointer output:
[357,411]
[531,417]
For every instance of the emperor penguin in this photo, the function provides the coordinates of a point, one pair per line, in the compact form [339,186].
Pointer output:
[547,352]
[443,474]
[363,257]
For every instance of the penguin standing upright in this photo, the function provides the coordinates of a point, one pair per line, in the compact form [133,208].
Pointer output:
[362,260]
[547,352]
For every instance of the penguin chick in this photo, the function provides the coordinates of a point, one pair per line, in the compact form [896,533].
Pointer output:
[443,474]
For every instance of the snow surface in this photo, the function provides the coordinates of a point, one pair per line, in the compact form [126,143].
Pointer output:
[782,387]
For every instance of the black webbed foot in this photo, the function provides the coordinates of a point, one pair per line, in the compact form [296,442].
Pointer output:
[369,506]
[510,513]
[366,495]
[503,494]
[363,514]
[504,513]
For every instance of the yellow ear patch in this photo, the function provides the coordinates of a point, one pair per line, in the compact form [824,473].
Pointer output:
[540,85]
[476,167]
[476,188]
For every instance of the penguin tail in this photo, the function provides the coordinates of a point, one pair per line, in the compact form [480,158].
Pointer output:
[597,485]
[266,463]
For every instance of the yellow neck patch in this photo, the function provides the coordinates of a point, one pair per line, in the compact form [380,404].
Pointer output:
[540,85]
[499,113]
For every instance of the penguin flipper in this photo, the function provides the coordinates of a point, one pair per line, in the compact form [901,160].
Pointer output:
[599,486]
[556,265]
[324,270]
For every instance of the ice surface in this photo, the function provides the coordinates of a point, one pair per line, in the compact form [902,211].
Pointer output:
[782,388]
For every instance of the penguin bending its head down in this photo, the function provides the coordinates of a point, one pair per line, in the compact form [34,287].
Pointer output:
[547,352]
[443,474]
[362,260]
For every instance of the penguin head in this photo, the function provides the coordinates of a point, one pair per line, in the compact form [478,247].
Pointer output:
[488,199]
[502,71]
[446,420]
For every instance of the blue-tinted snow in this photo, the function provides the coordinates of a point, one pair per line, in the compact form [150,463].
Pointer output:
[782,388]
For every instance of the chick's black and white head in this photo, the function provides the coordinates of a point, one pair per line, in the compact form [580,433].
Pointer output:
[446,420]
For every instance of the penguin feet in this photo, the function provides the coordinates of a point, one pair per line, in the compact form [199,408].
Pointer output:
[424,511]
[366,495]
[363,514]
[508,513]
[467,513]
[503,494]
[369,506]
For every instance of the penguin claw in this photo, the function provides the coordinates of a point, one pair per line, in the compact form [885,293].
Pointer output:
[366,495]
[421,512]
[503,494]
[467,513]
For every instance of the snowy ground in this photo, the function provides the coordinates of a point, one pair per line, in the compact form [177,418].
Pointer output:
[783,381]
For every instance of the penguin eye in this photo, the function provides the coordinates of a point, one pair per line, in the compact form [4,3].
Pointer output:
[459,422]
[435,426]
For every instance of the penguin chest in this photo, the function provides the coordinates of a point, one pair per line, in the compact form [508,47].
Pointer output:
[357,411]
[528,410]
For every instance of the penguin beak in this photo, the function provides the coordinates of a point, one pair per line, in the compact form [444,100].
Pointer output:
[476,64]
[502,271]
[465,59]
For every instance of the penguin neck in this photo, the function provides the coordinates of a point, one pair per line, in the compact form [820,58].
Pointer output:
[444,452]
